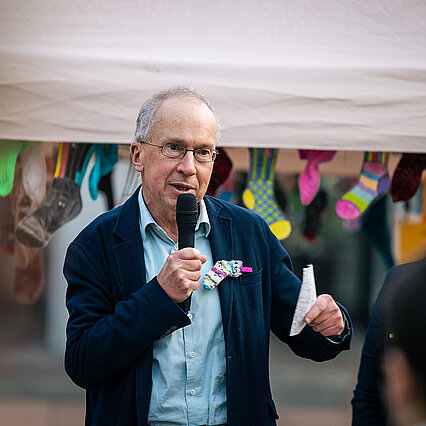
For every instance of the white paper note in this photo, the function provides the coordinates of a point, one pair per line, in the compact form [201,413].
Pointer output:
[307,298]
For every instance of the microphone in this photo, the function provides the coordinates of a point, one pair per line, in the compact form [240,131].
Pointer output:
[186,219]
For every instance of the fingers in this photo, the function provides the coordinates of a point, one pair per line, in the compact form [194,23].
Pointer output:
[182,275]
[191,258]
[181,272]
[319,307]
[325,316]
[330,327]
[189,253]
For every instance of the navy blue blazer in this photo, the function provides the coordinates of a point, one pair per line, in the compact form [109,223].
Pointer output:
[369,400]
[115,316]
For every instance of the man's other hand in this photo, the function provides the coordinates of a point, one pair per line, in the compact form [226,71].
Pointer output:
[325,316]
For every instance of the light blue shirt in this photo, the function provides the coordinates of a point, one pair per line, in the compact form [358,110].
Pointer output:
[189,365]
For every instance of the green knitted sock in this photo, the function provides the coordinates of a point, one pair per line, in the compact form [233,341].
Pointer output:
[259,194]
[9,151]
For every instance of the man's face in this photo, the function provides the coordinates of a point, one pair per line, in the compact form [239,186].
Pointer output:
[187,122]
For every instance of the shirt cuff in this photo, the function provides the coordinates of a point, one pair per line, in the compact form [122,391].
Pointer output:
[338,338]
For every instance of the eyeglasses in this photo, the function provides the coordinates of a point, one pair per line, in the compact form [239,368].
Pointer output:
[173,150]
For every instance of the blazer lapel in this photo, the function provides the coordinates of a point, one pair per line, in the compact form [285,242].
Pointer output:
[222,249]
[128,250]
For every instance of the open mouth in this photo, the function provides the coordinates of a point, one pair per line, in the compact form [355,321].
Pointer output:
[182,188]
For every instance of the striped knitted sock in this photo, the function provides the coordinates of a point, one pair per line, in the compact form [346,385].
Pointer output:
[72,160]
[372,182]
[259,194]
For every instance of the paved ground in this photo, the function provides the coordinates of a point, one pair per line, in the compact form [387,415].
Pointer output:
[34,389]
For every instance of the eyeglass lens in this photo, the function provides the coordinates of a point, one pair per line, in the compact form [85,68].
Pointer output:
[179,151]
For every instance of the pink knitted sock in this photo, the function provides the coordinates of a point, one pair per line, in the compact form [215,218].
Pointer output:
[309,179]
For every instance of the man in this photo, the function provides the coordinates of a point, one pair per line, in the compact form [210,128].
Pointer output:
[405,367]
[142,359]
[369,406]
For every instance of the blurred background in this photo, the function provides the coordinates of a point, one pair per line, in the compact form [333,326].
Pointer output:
[350,262]
[315,90]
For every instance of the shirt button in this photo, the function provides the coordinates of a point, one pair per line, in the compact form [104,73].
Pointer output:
[189,315]
[192,354]
[192,391]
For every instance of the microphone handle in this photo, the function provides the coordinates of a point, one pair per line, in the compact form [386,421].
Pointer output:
[186,239]
[186,304]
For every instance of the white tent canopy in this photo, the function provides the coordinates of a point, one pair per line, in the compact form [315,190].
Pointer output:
[326,74]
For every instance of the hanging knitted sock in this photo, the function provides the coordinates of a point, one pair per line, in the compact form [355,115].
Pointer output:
[372,182]
[62,159]
[221,169]
[9,151]
[80,160]
[21,206]
[313,216]
[106,159]
[62,203]
[105,186]
[131,182]
[374,223]
[28,279]
[309,179]
[72,161]
[259,194]
[34,172]
[407,176]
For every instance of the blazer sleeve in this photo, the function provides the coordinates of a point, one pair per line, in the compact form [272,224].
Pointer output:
[368,401]
[285,291]
[106,335]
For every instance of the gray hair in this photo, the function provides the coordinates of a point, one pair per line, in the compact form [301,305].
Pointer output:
[146,117]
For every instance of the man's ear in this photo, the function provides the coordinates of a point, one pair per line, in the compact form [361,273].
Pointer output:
[136,152]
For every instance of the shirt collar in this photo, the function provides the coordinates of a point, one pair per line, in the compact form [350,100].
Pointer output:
[146,219]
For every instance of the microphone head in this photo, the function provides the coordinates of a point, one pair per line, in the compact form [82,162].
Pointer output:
[187,205]
[186,219]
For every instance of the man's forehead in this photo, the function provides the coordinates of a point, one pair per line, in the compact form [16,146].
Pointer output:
[177,116]
[183,107]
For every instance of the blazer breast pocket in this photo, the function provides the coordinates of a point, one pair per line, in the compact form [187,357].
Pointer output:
[251,278]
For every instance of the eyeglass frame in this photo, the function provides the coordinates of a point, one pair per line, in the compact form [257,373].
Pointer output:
[215,152]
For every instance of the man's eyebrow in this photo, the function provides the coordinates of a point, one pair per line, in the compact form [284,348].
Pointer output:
[175,140]
[182,142]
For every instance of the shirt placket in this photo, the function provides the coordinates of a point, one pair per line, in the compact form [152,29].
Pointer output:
[192,387]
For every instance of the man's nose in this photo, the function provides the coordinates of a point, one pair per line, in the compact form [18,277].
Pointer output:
[187,164]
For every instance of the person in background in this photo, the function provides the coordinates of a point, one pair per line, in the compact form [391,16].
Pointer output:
[140,357]
[369,406]
[405,357]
